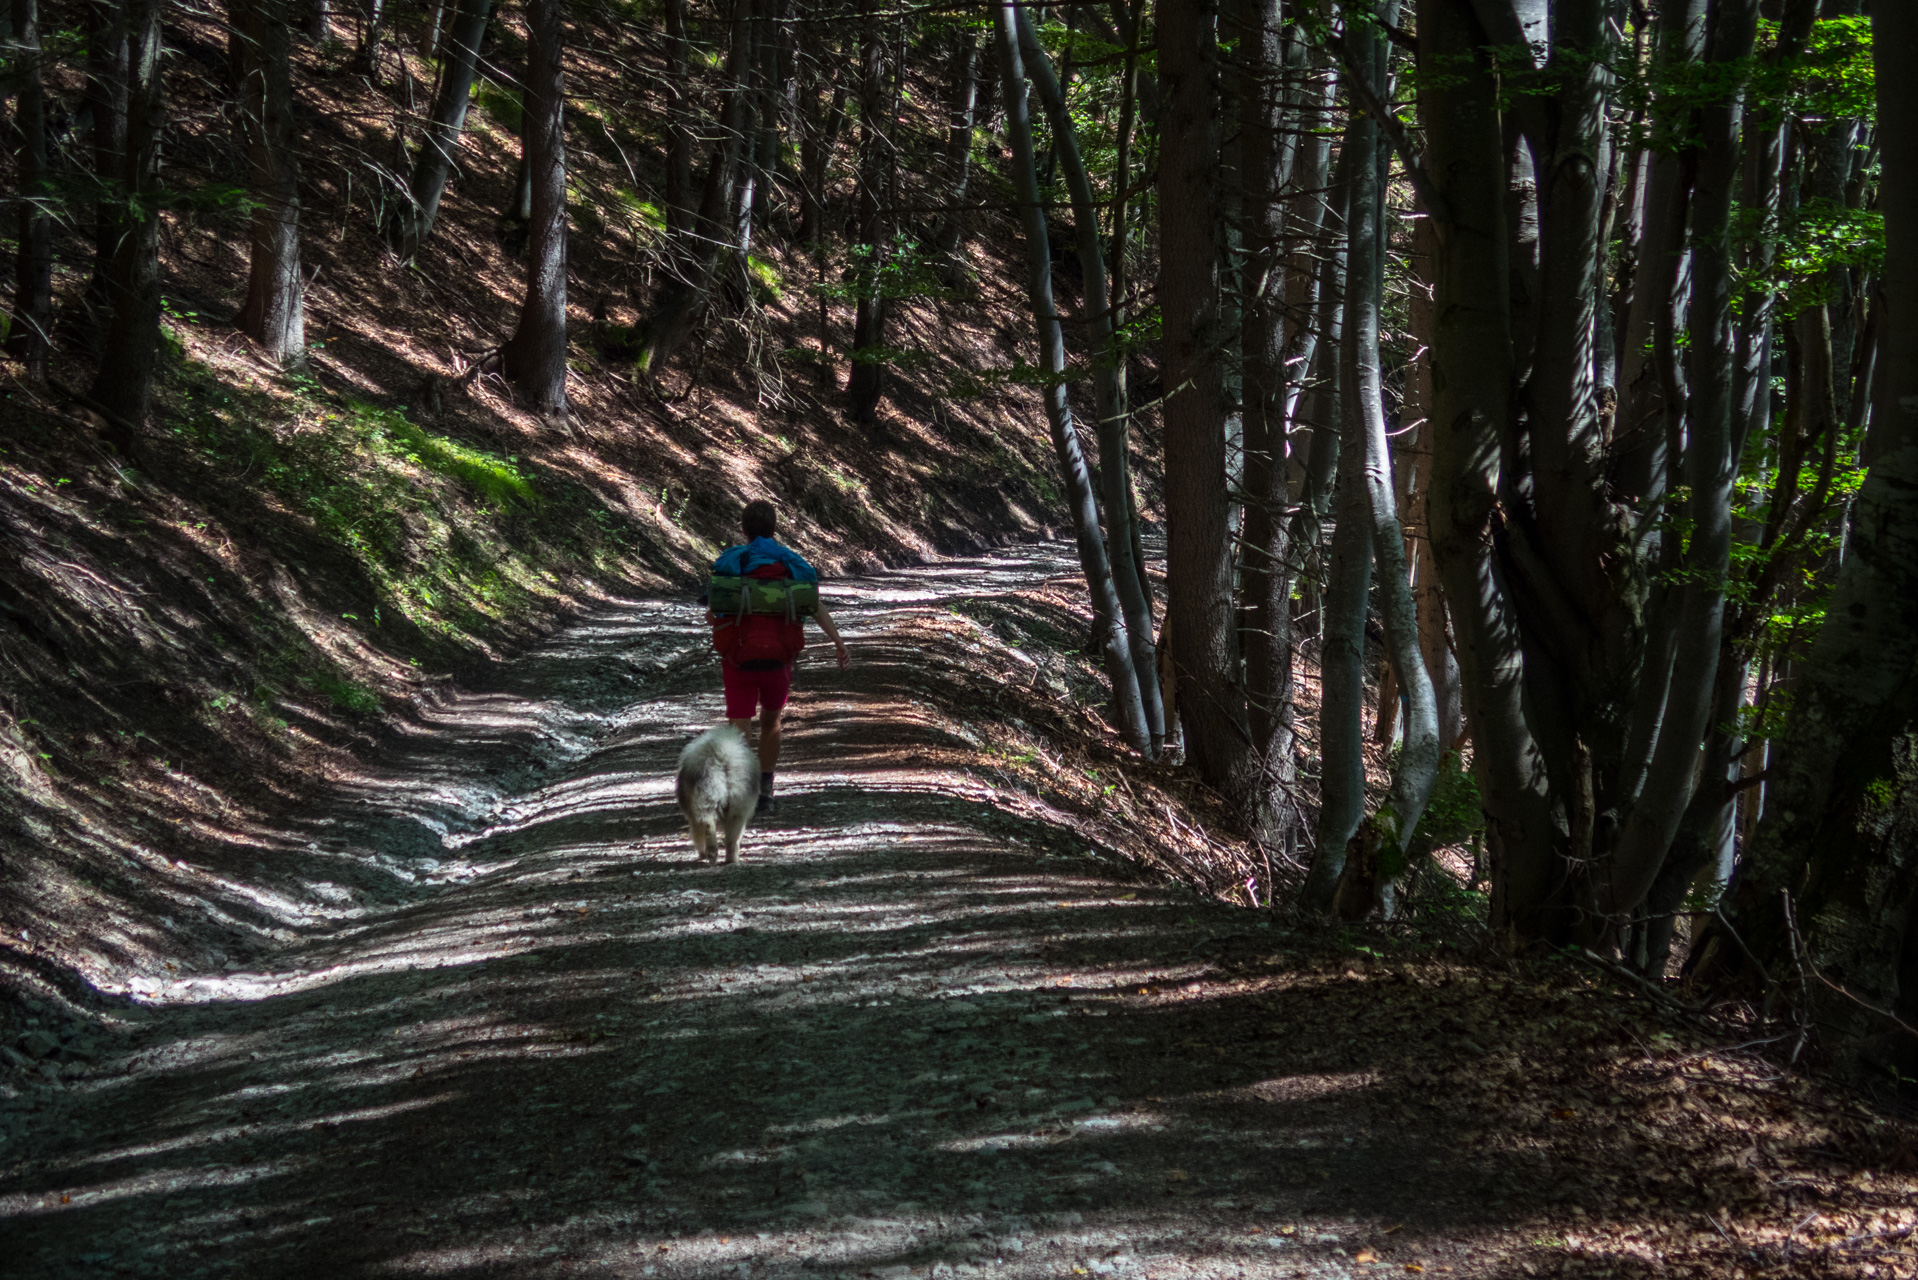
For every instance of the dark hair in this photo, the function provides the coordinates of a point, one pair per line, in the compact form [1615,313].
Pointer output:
[759,519]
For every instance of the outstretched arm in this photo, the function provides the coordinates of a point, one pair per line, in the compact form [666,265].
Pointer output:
[826,625]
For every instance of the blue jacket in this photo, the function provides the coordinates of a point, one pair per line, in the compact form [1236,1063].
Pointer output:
[735,562]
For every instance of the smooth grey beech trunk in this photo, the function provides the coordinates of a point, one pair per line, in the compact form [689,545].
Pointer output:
[412,224]
[1201,617]
[1355,876]
[1710,469]
[1108,396]
[30,335]
[124,385]
[1652,394]
[1435,632]
[274,312]
[1271,99]
[1348,573]
[1082,506]
[534,360]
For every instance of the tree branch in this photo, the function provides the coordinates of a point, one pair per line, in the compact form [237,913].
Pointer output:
[1394,130]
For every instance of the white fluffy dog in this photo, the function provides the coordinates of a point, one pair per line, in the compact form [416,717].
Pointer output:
[718,790]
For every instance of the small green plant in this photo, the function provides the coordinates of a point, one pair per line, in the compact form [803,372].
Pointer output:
[346,695]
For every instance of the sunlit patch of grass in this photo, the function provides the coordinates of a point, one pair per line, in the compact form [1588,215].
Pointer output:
[489,475]
[455,539]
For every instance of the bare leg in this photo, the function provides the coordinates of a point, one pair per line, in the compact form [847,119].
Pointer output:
[769,737]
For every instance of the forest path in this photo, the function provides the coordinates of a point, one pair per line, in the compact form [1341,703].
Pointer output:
[900,1039]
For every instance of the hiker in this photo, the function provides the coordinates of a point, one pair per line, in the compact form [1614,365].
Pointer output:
[757,600]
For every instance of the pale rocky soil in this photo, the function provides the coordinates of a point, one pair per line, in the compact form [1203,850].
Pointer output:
[913,1034]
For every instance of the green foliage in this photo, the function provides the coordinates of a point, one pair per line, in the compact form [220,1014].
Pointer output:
[344,694]
[906,270]
[501,104]
[1455,811]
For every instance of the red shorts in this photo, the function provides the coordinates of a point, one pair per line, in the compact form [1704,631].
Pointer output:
[746,690]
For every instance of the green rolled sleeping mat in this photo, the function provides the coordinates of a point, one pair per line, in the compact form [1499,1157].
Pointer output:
[783,596]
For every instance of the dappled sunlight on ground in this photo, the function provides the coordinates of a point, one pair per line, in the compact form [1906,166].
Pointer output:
[916,1032]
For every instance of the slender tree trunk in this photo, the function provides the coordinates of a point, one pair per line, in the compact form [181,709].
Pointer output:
[1347,587]
[534,360]
[683,297]
[1385,844]
[958,157]
[827,111]
[371,28]
[517,220]
[273,314]
[1200,612]
[319,21]
[124,384]
[1434,629]
[679,122]
[866,383]
[30,336]
[745,195]
[1083,507]
[1265,584]
[107,96]
[1319,410]
[1107,394]
[411,225]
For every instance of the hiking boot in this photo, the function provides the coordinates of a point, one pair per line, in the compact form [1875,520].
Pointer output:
[768,805]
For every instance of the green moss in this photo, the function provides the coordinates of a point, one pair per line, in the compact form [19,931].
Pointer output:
[501,104]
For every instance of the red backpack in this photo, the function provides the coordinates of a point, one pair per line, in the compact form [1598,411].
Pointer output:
[759,641]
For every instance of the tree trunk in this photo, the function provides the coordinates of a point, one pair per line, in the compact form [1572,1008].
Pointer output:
[1435,641]
[534,360]
[107,97]
[1135,607]
[1082,506]
[411,225]
[1200,613]
[683,297]
[124,384]
[1384,846]
[1711,467]
[1265,582]
[679,122]
[319,21]
[826,112]
[30,338]
[866,382]
[958,157]
[1472,374]
[273,314]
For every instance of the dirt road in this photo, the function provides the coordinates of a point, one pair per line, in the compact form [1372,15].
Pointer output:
[524,1034]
